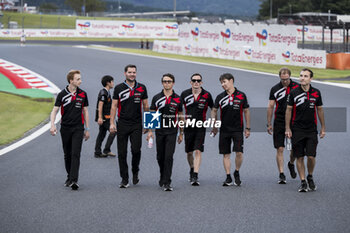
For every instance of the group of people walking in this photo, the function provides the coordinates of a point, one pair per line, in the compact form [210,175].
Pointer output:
[293,105]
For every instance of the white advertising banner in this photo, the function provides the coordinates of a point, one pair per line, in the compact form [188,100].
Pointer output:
[314,33]
[104,29]
[295,57]
[127,29]
[258,35]
[39,33]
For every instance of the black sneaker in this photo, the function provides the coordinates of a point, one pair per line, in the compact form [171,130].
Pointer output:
[228,181]
[303,187]
[194,181]
[100,155]
[237,179]
[310,181]
[282,179]
[67,183]
[74,186]
[292,170]
[168,188]
[135,179]
[124,184]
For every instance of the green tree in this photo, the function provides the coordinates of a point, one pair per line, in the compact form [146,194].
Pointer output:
[296,6]
[90,5]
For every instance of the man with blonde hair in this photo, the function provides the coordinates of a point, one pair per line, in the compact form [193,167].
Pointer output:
[73,103]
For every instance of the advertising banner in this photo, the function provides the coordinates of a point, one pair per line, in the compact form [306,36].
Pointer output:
[127,29]
[296,57]
[258,35]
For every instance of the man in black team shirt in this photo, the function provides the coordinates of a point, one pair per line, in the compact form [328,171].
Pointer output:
[196,101]
[304,101]
[103,114]
[74,103]
[232,103]
[169,104]
[278,97]
[129,97]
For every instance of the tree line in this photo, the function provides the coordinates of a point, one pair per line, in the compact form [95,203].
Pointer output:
[296,6]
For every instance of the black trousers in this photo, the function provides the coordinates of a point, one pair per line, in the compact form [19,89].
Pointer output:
[101,136]
[165,153]
[72,140]
[124,132]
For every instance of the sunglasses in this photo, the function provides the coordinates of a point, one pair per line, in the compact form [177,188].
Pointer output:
[196,80]
[167,81]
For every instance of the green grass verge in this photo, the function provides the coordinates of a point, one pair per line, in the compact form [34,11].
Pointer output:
[19,114]
[53,21]
[268,68]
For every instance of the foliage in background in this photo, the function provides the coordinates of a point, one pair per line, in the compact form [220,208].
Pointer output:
[296,6]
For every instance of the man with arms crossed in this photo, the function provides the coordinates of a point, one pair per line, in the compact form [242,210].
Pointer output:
[129,97]
[302,128]
[278,97]
[232,103]
[196,101]
[74,104]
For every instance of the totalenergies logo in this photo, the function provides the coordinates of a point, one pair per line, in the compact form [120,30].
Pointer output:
[188,49]
[7,32]
[44,32]
[262,37]
[248,52]
[286,56]
[301,30]
[128,27]
[165,46]
[226,36]
[216,49]
[195,33]
[85,25]
[172,27]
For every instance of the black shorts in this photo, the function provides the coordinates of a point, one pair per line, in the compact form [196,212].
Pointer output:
[304,144]
[225,140]
[194,140]
[278,136]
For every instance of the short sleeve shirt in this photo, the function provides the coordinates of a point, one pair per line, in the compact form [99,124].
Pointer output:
[231,110]
[105,96]
[169,107]
[196,108]
[72,105]
[279,94]
[130,102]
[304,108]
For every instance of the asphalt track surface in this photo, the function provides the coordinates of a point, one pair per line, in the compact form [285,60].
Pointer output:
[33,199]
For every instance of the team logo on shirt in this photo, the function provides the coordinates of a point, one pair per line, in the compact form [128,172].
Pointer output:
[124,95]
[224,101]
[189,100]
[280,94]
[67,99]
[299,99]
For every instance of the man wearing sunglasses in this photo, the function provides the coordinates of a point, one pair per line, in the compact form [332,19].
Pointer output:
[196,101]
[169,104]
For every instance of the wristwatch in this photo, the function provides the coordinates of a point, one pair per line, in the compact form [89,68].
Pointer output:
[248,128]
